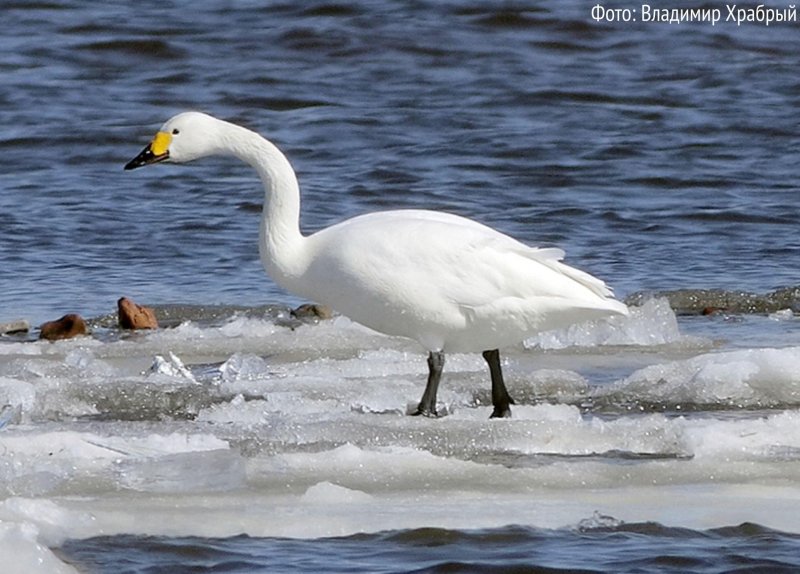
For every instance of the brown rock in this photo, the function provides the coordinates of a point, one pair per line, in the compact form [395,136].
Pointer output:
[133,316]
[312,310]
[66,327]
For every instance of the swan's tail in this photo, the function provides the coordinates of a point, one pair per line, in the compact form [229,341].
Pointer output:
[553,258]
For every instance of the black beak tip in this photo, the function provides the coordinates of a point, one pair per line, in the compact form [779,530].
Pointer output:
[146,157]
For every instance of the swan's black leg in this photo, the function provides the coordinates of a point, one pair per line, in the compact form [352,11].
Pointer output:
[500,398]
[427,406]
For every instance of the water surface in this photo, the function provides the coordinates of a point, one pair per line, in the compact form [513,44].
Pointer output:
[660,157]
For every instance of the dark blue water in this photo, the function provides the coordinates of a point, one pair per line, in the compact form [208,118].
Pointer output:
[643,547]
[659,156]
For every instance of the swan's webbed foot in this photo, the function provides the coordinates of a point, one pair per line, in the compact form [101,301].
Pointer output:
[423,411]
[502,411]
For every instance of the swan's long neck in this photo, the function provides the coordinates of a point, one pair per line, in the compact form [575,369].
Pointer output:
[280,241]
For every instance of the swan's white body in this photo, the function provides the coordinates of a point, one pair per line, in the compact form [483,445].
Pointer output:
[449,282]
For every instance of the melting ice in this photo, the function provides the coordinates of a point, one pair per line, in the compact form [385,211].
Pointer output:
[250,426]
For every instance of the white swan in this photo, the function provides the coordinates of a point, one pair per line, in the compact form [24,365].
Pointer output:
[450,283]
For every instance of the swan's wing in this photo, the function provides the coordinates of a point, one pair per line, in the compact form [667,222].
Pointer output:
[447,281]
[424,256]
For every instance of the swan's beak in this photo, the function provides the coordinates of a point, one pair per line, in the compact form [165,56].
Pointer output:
[156,151]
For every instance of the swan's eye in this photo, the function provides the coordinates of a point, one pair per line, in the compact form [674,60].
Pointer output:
[176,131]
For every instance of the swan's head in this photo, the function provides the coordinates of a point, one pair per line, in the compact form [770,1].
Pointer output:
[187,136]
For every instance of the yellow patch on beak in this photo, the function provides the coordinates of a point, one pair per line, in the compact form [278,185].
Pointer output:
[160,143]
[157,151]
